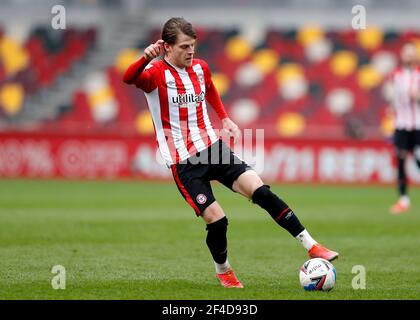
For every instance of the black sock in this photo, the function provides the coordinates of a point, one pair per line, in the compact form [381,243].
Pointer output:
[278,210]
[216,240]
[402,179]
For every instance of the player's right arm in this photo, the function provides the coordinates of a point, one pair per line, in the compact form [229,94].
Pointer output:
[138,74]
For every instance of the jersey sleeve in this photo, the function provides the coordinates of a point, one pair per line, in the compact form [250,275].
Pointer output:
[212,96]
[141,73]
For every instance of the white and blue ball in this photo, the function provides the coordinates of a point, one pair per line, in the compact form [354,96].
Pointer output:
[317,275]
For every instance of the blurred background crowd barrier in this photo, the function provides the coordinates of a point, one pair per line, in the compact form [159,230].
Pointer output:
[297,69]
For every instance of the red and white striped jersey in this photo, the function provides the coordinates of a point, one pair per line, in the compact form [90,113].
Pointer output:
[177,103]
[407,110]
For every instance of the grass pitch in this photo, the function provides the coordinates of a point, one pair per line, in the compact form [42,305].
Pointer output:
[136,240]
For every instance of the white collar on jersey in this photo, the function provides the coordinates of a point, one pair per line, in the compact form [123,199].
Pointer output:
[175,67]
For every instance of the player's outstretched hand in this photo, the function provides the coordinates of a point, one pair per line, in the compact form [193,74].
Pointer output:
[154,50]
[232,129]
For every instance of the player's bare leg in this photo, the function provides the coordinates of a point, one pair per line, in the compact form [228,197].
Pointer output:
[216,240]
[250,185]
[403,203]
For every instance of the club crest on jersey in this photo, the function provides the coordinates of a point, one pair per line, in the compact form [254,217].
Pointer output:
[171,84]
[200,78]
[183,99]
[201,198]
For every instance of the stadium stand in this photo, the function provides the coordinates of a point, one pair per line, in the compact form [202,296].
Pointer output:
[37,63]
[292,79]
[306,82]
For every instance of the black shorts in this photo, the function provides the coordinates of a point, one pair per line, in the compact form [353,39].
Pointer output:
[193,175]
[406,140]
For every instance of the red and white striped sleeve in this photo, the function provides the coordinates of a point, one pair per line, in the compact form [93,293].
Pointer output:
[141,73]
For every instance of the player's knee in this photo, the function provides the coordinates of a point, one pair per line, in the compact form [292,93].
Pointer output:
[255,186]
[247,183]
[212,213]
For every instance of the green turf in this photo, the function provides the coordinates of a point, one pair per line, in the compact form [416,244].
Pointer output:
[135,240]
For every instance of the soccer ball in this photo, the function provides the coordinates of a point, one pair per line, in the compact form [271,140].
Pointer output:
[317,274]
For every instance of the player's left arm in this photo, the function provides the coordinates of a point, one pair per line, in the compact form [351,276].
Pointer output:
[213,97]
